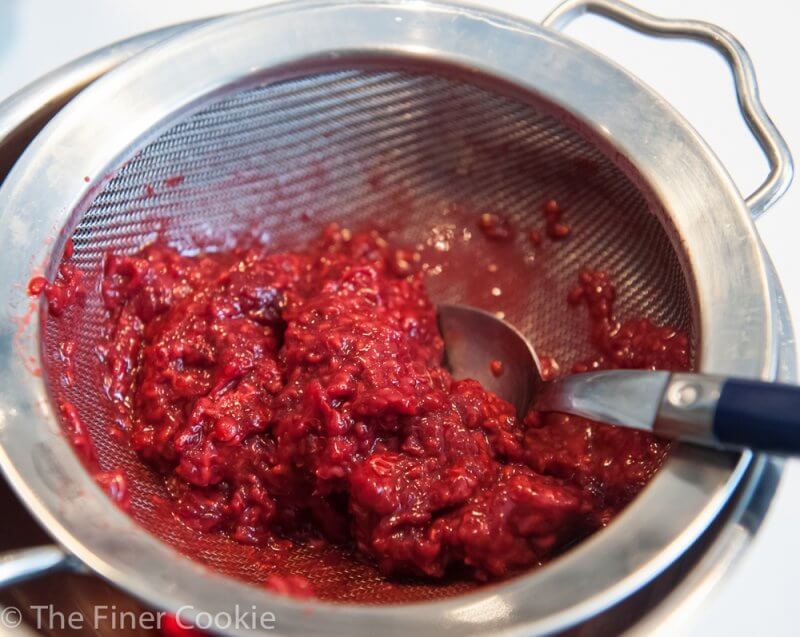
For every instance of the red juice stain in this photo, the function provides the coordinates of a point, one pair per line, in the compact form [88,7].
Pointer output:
[86,179]
[32,367]
[149,191]
[175,180]
[18,341]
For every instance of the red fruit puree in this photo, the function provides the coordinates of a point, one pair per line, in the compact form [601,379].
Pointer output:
[302,395]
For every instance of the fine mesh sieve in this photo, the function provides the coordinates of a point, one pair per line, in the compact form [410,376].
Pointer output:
[421,153]
[410,118]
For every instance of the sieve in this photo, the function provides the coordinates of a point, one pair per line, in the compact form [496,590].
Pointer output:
[450,105]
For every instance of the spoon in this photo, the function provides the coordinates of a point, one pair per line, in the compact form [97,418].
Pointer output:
[709,410]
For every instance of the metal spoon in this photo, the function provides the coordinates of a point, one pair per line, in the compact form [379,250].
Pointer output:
[701,408]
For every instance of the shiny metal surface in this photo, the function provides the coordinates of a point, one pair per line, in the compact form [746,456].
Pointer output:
[16,566]
[758,121]
[24,110]
[688,406]
[630,398]
[716,557]
[473,338]
[746,512]
[703,192]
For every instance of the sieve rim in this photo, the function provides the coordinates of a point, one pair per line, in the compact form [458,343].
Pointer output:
[71,109]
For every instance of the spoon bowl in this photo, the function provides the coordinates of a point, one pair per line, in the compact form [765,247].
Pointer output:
[475,338]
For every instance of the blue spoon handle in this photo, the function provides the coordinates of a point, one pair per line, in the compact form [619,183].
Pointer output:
[730,412]
[763,416]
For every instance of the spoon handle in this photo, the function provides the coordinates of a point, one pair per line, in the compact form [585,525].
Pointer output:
[746,413]
[708,410]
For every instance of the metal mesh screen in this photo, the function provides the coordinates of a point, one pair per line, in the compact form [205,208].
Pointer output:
[420,155]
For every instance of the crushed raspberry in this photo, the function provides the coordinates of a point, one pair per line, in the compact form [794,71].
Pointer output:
[301,397]
[549,367]
[495,227]
[37,285]
[77,432]
[66,290]
[115,484]
[556,228]
[632,344]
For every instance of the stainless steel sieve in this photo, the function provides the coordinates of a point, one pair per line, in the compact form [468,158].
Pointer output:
[389,109]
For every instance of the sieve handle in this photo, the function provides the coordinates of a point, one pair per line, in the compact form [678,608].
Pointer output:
[768,137]
[24,564]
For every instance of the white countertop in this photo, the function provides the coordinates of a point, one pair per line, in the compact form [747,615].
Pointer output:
[39,35]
